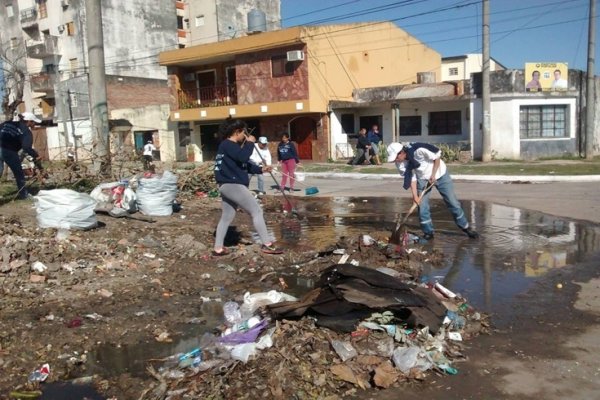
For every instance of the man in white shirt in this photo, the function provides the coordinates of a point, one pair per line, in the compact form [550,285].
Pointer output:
[261,156]
[148,154]
[558,83]
[421,166]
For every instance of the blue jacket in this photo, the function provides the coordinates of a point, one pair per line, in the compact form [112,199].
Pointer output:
[231,163]
[15,135]
[412,163]
[374,137]
[287,151]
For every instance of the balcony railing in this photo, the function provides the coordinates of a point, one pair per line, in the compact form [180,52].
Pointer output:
[43,82]
[29,18]
[42,48]
[211,96]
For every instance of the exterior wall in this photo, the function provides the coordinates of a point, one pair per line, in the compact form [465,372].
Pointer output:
[467,65]
[152,117]
[346,57]
[255,83]
[505,130]
[226,19]
[135,30]
[123,92]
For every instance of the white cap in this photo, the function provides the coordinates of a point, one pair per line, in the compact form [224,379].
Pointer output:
[263,140]
[392,151]
[27,116]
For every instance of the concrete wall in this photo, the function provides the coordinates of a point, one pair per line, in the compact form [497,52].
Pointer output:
[226,19]
[148,118]
[346,57]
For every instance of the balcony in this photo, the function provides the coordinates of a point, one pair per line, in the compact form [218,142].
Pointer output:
[43,82]
[42,48]
[29,18]
[211,96]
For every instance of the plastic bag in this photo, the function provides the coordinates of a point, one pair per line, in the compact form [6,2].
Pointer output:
[155,195]
[344,349]
[253,302]
[406,358]
[65,209]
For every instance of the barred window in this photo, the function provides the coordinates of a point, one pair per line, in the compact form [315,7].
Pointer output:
[445,123]
[453,71]
[543,121]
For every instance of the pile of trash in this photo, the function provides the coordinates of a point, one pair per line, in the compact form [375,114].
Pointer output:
[198,180]
[358,329]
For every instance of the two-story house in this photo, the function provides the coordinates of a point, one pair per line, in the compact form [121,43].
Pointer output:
[283,81]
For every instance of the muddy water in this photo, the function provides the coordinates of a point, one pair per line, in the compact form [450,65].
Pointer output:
[516,248]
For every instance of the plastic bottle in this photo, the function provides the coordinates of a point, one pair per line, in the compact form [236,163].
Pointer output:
[231,312]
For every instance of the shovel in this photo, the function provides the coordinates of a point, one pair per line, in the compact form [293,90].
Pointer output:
[396,237]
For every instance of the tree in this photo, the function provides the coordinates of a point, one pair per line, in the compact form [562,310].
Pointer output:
[13,62]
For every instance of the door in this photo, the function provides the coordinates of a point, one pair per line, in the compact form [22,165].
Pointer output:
[231,86]
[206,81]
[209,140]
[303,132]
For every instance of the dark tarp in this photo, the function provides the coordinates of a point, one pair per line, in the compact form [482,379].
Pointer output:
[346,294]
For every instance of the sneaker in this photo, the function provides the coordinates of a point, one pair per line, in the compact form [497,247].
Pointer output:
[428,236]
[270,249]
[471,233]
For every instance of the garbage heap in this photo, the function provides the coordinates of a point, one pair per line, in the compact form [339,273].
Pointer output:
[358,329]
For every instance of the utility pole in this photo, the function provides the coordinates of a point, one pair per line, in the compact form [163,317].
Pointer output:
[97,86]
[69,100]
[589,101]
[486,153]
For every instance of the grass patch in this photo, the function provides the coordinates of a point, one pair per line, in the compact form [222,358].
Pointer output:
[525,169]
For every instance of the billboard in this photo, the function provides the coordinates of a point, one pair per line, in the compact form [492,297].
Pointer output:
[546,76]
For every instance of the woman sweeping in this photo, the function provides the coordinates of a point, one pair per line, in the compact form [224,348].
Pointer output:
[231,173]
[288,158]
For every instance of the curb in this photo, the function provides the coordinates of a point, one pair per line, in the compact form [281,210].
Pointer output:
[465,178]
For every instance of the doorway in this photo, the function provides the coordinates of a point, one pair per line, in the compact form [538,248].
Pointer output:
[368,121]
[209,140]
[206,81]
[303,131]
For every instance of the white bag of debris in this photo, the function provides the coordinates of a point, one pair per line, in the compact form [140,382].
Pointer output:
[155,195]
[65,209]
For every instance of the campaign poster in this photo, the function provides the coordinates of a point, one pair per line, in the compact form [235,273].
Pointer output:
[546,76]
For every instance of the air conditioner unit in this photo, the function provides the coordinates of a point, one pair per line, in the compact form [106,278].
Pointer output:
[295,55]
[64,3]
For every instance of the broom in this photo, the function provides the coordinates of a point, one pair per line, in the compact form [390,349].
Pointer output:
[398,232]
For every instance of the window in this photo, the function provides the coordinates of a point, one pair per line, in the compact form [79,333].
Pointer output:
[199,20]
[73,99]
[73,64]
[410,126]
[10,12]
[543,121]
[43,8]
[347,121]
[179,22]
[50,68]
[14,43]
[280,66]
[453,71]
[445,123]
[71,28]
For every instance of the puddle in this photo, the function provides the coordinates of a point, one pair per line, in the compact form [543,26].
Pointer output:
[516,248]
[68,391]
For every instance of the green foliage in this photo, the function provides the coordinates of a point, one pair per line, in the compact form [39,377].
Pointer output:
[450,152]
